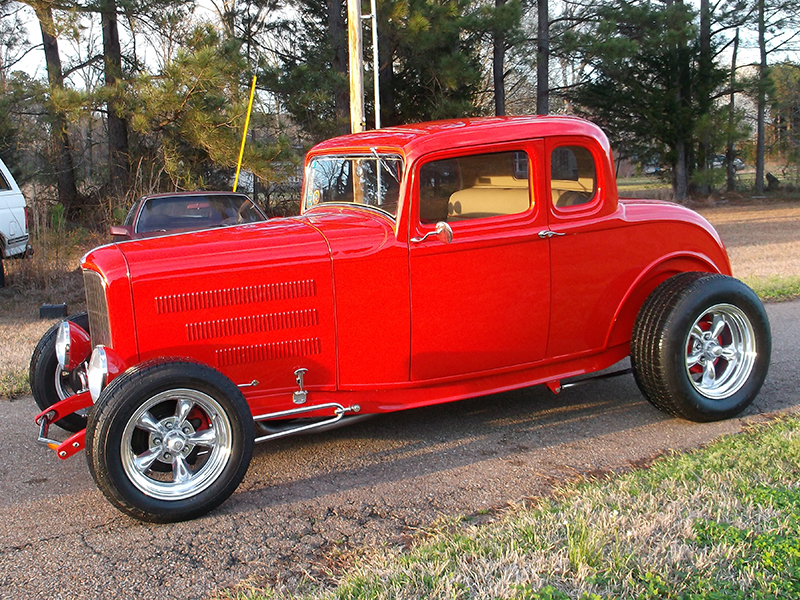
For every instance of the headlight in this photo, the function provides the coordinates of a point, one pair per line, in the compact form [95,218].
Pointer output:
[97,372]
[62,345]
[104,366]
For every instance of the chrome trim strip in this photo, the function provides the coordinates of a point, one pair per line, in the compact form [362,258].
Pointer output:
[368,207]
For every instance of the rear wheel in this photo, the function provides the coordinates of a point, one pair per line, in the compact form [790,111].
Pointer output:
[49,383]
[701,346]
[169,441]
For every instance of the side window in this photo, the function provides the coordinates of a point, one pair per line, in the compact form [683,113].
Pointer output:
[3,183]
[473,187]
[573,176]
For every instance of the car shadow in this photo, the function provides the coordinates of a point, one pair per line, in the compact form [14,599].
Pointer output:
[397,447]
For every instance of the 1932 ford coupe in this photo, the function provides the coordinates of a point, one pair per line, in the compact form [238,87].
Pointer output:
[430,263]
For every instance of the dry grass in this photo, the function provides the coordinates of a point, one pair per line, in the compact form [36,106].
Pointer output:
[763,240]
[51,276]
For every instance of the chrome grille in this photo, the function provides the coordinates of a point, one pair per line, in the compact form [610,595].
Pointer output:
[99,327]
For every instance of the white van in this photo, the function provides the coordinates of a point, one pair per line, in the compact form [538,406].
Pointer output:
[14,240]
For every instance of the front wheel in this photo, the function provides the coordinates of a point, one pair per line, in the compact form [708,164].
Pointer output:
[701,346]
[49,383]
[169,441]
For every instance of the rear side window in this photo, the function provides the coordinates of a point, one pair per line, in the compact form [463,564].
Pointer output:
[474,187]
[3,183]
[573,176]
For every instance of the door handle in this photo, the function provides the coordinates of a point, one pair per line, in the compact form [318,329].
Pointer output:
[547,233]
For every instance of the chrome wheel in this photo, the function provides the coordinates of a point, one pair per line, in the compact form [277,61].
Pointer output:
[62,385]
[176,444]
[68,384]
[720,351]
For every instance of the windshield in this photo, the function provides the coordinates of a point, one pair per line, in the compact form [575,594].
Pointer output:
[199,211]
[371,180]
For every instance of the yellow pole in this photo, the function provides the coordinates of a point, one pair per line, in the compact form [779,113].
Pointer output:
[244,133]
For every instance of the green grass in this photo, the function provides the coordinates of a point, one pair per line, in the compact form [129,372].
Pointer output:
[643,182]
[720,522]
[776,288]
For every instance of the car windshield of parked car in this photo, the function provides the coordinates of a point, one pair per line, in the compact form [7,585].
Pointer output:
[195,212]
[365,180]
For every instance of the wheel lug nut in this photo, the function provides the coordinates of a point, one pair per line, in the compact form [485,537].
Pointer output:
[167,455]
[157,441]
[186,430]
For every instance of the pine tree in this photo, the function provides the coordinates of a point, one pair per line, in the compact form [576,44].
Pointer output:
[644,70]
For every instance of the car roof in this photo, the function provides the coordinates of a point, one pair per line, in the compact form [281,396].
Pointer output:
[190,194]
[421,138]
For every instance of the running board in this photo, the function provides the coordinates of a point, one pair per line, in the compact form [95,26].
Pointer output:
[338,412]
[556,386]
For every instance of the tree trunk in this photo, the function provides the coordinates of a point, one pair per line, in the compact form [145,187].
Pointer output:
[337,31]
[762,98]
[681,175]
[681,90]
[386,79]
[498,67]
[117,125]
[543,60]
[730,173]
[65,175]
[704,91]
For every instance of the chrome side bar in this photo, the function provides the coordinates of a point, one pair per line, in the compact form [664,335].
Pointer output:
[627,371]
[338,412]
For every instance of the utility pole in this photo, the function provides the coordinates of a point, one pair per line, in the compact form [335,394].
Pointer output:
[376,64]
[355,51]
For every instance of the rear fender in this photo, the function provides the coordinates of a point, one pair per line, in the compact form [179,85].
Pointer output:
[650,277]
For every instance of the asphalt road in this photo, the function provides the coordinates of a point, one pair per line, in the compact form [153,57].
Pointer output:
[309,504]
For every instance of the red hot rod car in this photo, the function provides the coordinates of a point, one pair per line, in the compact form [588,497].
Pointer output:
[430,263]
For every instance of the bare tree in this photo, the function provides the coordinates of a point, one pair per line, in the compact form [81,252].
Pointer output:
[65,170]
[118,153]
[778,25]
[730,170]
[543,59]
[498,67]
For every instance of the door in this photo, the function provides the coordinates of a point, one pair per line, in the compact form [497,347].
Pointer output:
[480,302]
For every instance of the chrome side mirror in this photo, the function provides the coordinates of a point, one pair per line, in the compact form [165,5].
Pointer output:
[443,233]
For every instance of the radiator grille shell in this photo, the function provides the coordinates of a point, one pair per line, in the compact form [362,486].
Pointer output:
[97,307]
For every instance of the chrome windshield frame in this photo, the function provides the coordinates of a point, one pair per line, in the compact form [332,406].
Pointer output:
[381,162]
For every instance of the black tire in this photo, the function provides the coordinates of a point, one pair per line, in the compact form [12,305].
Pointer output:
[193,452]
[701,346]
[48,383]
